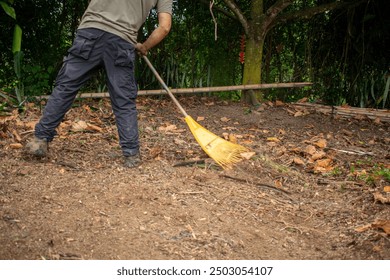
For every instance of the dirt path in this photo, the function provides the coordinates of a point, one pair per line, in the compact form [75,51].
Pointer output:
[308,193]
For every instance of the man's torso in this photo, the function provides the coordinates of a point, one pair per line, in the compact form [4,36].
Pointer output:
[121,17]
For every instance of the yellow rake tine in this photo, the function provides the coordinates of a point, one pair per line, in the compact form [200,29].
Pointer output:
[223,152]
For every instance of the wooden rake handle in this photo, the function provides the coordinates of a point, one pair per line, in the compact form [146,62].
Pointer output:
[165,86]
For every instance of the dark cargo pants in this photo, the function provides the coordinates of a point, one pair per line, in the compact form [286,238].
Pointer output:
[92,49]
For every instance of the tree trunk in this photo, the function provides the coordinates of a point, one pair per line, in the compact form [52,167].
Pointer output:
[254,52]
[252,69]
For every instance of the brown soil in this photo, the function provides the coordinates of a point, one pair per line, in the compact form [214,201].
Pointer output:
[317,187]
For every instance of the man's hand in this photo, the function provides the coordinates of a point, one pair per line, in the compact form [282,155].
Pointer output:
[141,49]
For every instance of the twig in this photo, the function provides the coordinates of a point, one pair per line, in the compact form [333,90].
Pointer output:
[191,193]
[214,20]
[103,214]
[326,182]
[27,132]
[70,165]
[360,153]
[262,185]
[191,162]
[191,231]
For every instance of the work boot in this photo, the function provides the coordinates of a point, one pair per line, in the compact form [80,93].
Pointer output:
[37,147]
[132,161]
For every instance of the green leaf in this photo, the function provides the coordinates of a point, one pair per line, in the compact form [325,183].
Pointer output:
[17,41]
[386,92]
[8,9]
[18,57]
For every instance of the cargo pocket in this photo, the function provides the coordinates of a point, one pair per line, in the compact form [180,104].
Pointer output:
[125,55]
[83,44]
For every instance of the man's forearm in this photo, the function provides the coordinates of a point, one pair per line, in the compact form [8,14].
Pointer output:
[164,26]
[156,37]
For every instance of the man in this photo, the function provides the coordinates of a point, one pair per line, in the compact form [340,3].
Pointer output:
[106,37]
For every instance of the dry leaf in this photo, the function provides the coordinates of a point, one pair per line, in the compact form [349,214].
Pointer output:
[310,149]
[179,141]
[167,128]
[279,103]
[155,151]
[381,198]
[94,128]
[323,163]
[383,225]
[363,228]
[386,188]
[232,138]
[79,126]
[303,100]
[247,155]
[247,142]
[278,184]
[321,143]
[87,108]
[273,139]
[229,128]
[16,146]
[298,161]
[318,155]
[199,119]
[225,119]
[379,224]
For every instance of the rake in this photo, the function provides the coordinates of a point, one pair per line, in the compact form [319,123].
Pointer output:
[223,152]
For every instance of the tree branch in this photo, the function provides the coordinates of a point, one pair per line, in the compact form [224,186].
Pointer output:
[312,11]
[222,11]
[272,14]
[279,6]
[239,14]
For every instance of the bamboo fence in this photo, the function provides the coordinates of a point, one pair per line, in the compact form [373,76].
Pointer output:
[198,90]
[347,112]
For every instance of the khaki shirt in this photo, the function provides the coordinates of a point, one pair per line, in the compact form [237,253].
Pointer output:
[122,17]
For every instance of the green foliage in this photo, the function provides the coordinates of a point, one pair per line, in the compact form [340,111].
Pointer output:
[352,53]
[343,52]
[8,9]
[17,39]
[19,88]
[369,171]
[37,79]
[18,57]
[383,172]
